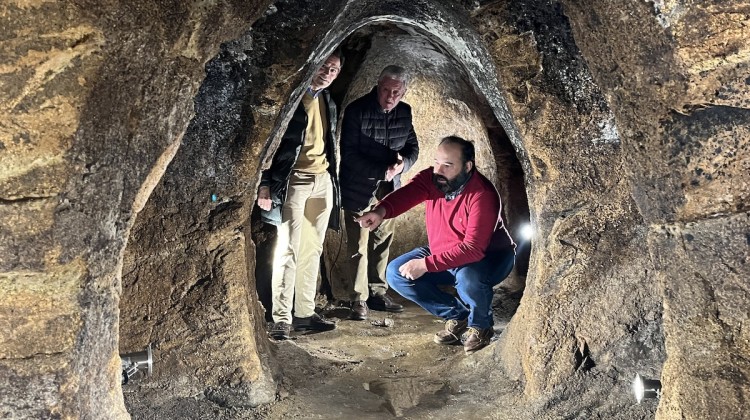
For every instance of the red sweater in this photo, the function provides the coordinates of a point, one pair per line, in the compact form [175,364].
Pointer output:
[460,231]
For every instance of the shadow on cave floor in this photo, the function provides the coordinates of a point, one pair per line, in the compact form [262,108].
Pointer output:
[365,371]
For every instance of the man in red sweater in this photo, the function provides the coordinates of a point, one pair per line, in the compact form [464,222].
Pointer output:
[469,247]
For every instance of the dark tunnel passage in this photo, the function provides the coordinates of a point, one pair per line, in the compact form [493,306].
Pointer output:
[444,103]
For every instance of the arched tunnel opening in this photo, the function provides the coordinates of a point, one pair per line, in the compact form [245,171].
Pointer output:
[444,103]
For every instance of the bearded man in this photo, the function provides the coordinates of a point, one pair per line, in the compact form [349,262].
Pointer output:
[469,247]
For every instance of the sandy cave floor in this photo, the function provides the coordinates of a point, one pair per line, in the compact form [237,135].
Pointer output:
[365,371]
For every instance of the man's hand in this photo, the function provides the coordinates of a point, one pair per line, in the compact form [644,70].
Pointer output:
[264,198]
[395,169]
[372,219]
[413,269]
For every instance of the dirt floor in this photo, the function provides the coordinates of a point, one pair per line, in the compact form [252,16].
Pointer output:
[364,370]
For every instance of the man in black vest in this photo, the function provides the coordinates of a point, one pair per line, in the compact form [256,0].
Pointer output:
[300,194]
[378,143]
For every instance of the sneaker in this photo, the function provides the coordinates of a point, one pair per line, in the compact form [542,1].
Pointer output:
[452,332]
[280,331]
[313,323]
[359,310]
[477,338]
[383,303]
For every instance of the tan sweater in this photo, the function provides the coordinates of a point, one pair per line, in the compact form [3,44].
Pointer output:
[312,157]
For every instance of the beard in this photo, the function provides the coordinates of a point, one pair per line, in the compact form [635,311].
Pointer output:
[448,186]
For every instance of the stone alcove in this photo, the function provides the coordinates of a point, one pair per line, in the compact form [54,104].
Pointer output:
[630,123]
[191,300]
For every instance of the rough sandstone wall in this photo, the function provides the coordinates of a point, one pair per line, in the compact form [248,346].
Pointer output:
[95,97]
[634,124]
[570,335]
[678,87]
[186,282]
[629,119]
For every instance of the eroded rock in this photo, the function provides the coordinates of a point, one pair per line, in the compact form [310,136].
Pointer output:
[628,121]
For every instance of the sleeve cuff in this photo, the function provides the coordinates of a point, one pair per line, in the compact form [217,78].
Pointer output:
[429,261]
[388,210]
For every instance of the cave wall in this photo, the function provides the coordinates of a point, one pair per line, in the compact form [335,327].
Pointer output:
[569,336]
[634,124]
[678,87]
[628,118]
[205,320]
[93,94]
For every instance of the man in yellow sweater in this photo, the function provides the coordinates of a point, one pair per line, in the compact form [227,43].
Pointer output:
[300,194]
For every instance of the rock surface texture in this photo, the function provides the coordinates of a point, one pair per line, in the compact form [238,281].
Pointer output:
[132,135]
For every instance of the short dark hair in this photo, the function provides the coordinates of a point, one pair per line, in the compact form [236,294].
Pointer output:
[338,52]
[467,148]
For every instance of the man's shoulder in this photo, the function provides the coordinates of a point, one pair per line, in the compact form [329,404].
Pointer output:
[425,172]
[326,94]
[403,105]
[358,104]
[481,185]
[424,177]
[365,100]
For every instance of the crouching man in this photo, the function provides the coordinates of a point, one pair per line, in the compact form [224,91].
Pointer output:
[469,247]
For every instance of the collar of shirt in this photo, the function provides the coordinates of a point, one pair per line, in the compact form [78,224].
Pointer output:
[314,93]
[452,195]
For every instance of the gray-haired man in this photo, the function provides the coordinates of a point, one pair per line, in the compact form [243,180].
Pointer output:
[378,143]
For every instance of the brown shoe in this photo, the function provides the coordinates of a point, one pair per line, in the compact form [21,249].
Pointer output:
[477,338]
[359,310]
[452,332]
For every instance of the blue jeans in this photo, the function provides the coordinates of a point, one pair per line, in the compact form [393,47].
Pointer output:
[473,282]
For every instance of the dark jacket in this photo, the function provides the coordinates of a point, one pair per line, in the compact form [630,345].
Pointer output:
[277,176]
[370,142]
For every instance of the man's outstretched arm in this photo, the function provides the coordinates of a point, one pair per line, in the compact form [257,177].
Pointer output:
[372,219]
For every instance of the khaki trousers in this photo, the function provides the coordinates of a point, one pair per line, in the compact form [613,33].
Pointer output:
[304,219]
[368,253]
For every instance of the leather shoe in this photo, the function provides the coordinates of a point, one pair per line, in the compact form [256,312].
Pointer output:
[384,303]
[280,331]
[359,310]
[452,331]
[313,323]
[477,338]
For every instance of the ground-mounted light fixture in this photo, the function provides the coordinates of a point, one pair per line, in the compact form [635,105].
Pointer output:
[646,388]
[139,363]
